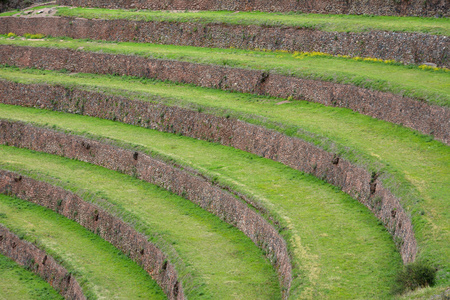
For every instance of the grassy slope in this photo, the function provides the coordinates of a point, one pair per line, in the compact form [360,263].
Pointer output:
[9,13]
[223,262]
[342,23]
[433,86]
[421,166]
[19,283]
[98,265]
[437,199]
[334,260]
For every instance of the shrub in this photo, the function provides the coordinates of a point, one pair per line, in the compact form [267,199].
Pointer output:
[33,36]
[12,34]
[413,276]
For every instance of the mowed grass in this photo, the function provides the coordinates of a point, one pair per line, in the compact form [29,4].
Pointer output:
[340,23]
[220,262]
[426,85]
[339,248]
[102,270]
[18,283]
[418,168]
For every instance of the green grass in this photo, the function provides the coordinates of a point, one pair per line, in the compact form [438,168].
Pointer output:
[340,23]
[101,269]
[426,293]
[420,166]
[338,246]
[415,167]
[407,152]
[40,7]
[222,262]
[427,85]
[19,283]
[9,13]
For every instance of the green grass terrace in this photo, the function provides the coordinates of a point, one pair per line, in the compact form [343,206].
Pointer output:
[424,84]
[17,282]
[101,269]
[213,258]
[236,172]
[330,260]
[340,23]
[415,167]
[339,250]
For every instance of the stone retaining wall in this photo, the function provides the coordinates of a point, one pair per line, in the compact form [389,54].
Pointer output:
[193,187]
[6,5]
[372,7]
[418,115]
[39,262]
[110,228]
[414,48]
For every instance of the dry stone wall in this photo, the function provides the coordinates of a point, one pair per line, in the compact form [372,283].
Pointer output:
[39,262]
[407,47]
[6,5]
[418,115]
[97,220]
[296,153]
[371,7]
[193,187]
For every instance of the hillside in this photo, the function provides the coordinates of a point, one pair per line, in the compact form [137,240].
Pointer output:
[272,151]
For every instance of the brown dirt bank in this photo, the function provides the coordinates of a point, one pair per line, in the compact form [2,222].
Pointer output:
[191,186]
[418,115]
[372,7]
[110,228]
[39,262]
[414,48]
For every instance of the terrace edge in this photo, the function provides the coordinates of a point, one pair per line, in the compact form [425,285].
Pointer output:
[415,114]
[142,166]
[374,7]
[416,48]
[110,228]
[293,152]
[39,262]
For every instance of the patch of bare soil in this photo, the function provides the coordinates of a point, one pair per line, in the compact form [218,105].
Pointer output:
[43,12]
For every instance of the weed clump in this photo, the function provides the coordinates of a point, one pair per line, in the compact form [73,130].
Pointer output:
[413,276]
[33,36]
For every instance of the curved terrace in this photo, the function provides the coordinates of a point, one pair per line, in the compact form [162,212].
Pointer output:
[232,150]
